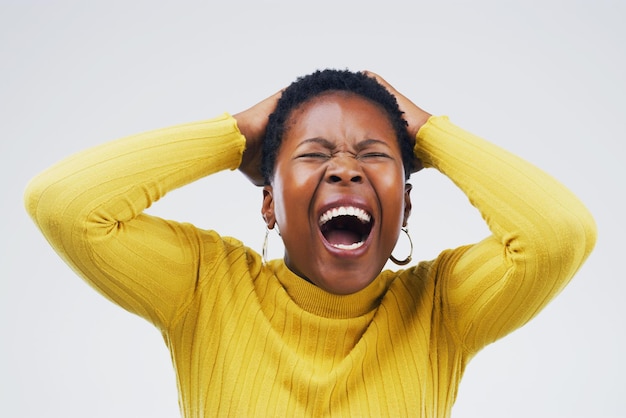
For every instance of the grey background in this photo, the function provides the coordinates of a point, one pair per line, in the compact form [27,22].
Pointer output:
[544,79]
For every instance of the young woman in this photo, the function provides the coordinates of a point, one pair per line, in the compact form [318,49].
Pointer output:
[324,331]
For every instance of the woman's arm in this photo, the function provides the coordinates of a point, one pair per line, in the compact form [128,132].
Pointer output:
[90,208]
[541,233]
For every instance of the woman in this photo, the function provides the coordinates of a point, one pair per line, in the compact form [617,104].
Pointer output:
[324,331]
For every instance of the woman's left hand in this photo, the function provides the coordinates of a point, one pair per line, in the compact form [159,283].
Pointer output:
[413,114]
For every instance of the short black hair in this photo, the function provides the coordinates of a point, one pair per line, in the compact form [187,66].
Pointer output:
[322,81]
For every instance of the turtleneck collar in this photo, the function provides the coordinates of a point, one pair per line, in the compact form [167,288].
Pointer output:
[322,303]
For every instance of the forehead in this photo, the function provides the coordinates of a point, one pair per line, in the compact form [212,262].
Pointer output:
[339,113]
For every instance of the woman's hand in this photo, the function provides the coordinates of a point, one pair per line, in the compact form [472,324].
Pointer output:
[252,123]
[413,114]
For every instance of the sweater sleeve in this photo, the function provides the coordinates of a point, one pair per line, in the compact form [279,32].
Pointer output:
[90,208]
[541,235]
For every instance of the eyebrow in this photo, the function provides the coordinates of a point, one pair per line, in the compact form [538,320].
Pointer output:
[330,145]
[321,141]
[367,142]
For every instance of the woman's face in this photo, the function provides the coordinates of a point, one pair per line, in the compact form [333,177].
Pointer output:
[338,194]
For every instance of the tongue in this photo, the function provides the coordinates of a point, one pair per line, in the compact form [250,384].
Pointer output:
[342,236]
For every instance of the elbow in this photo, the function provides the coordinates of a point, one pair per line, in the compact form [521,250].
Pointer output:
[47,203]
[33,198]
[565,240]
[589,236]
[574,237]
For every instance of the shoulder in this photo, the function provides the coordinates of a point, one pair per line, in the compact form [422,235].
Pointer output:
[426,275]
[224,252]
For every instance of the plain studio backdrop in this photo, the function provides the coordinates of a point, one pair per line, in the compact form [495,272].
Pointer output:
[544,79]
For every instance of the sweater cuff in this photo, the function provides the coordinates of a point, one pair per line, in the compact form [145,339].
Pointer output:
[226,124]
[429,134]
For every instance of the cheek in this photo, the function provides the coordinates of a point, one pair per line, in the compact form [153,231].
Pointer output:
[293,191]
[389,187]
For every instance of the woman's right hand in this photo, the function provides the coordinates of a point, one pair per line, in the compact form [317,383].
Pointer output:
[252,123]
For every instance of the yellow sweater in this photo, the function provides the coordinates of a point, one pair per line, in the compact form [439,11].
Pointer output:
[249,339]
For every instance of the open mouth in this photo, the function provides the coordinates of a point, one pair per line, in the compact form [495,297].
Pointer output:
[346,227]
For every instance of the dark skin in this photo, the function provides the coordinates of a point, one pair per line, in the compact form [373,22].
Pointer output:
[339,152]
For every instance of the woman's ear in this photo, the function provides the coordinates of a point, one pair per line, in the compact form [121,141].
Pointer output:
[407,203]
[267,209]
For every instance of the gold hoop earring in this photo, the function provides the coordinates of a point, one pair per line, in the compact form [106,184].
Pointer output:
[264,249]
[410,257]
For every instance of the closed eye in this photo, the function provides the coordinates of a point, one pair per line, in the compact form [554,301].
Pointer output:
[314,155]
[372,155]
[373,150]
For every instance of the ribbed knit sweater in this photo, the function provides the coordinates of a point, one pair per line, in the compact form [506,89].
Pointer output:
[254,339]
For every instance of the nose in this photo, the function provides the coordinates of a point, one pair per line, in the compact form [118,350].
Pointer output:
[344,169]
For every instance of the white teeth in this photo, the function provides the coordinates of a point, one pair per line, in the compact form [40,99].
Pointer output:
[348,246]
[345,211]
